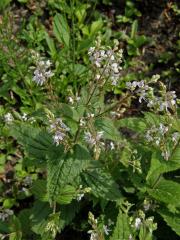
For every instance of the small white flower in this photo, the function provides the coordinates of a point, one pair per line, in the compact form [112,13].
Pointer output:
[175,137]
[42,72]
[70,100]
[59,129]
[94,235]
[24,117]
[112,147]
[89,138]
[106,229]
[8,118]
[82,122]
[137,223]
[58,137]
[93,140]
[98,76]
[165,154]
[80,196]
[130,237]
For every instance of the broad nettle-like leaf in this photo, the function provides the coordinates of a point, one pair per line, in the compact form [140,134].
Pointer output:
[109,130]
[63,168]
[102,184]
[173,220]
[166,191]
[36,142]
[122,228]
[159,165]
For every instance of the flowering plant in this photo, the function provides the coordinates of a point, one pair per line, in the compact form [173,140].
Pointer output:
[84,150]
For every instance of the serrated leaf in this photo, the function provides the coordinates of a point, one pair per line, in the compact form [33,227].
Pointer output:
[166,191]
[40,212]
[66,195]
[122,229]
[133,123]
[39,190]
[160,166]
[102,184]
[63,168]
[36,142]
[68,212]
[173,220]
[109,130]
[61,29]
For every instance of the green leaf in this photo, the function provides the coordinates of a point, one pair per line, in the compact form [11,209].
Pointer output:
[102,184]
[166,191]
[95,27]
[51,45]
[173,220]
[61,29]
[23,217]
[109,130]
[40,212]
[122,228]
[66,195]
[133,123]
[15,228]
[134,29]
[36,142]
[39,190]
[63,168]
[160,166]
[67,213]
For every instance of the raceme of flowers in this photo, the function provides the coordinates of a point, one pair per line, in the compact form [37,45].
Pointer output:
[165,101]
[158,135]
[107,62]
[59,130]
[42,70]
[93,140]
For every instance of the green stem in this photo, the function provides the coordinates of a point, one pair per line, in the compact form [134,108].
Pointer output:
[73,44]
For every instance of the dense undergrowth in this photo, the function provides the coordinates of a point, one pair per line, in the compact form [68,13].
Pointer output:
[90,128]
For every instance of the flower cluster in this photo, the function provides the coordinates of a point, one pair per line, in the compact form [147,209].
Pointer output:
[142,89]
[94,223]
[81,192]
[165,101]
[42,72]
[160,135]
[141,220]
[8,118]
[106,61]
[156,134]
[5,214]
[59,129]
[93,140]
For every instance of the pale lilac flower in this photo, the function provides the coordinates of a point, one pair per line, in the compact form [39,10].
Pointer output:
[107,62]
[42,72]
[59,129]
[93,140]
